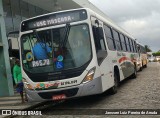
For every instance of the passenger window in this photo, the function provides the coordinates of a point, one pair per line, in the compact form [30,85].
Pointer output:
[117,40]
[133,45]
[130,43]
[109,38]
[124,48]
[108,31]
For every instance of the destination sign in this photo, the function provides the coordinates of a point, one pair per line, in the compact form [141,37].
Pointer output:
[54,19]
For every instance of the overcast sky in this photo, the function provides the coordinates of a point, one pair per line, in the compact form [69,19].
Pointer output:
[141,18]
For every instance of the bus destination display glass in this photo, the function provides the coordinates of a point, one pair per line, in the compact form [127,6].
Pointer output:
[54,19]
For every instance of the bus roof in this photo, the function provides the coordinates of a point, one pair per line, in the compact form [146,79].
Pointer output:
[52,14]
[111,23]
[104,18]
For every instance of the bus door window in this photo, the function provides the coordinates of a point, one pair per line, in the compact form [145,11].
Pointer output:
[99,41]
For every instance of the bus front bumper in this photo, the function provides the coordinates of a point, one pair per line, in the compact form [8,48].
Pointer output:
[90,88]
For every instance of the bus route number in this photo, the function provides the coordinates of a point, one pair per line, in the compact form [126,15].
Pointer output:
[38,63]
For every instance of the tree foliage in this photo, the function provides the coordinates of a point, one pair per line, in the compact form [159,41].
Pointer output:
[156,54]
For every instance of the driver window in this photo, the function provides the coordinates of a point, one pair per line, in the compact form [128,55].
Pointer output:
[99,43]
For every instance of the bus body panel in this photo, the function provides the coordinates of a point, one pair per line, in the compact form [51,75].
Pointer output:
[129,65]
[91,88]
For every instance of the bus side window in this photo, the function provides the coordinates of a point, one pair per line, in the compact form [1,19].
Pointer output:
[123,42]
[117,40]
[133,45]
[109,38]
[128,45]
[99,43]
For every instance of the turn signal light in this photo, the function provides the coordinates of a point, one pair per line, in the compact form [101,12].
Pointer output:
[89,76]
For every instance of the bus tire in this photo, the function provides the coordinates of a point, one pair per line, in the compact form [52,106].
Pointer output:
[145,66]
[134,75]
[114,89]
[141,68]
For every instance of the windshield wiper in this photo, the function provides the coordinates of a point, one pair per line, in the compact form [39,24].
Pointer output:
[65,35]
[38,38]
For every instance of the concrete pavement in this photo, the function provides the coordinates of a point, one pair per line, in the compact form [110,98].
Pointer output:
[14,102]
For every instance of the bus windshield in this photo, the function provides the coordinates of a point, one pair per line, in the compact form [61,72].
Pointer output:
[48,50]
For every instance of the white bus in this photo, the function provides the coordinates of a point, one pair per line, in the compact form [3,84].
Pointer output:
[74,53]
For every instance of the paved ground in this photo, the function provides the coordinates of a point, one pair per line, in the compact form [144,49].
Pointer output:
[140,93]
[13,102]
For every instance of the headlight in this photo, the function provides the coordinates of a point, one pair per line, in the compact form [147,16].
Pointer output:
[27,85]
[89,76]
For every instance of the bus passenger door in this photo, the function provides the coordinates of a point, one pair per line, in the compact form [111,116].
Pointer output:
[101,52]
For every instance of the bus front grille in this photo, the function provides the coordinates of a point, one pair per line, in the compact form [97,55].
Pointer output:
[68,93]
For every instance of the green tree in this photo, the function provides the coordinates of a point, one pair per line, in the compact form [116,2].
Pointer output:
[156,54]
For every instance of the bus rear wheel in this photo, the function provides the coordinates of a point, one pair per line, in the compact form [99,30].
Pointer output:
[114,89]
[145,66]
[141,68]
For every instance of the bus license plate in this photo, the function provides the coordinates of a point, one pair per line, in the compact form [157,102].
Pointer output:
[59,97]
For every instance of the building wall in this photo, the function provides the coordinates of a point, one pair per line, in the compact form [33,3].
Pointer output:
[17,10]
[12,12]
[6,85]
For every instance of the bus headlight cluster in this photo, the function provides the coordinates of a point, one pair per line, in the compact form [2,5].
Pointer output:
[27,85]
[89,76]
